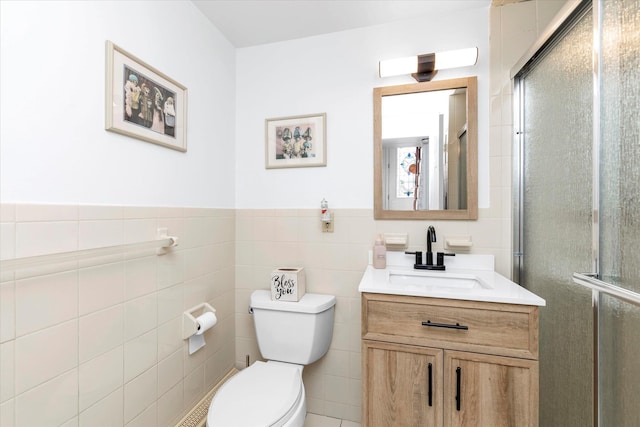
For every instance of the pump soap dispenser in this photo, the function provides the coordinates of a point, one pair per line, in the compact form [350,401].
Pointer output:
[379,254]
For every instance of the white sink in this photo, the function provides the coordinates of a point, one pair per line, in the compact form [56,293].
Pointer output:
[437,279]
[468,277]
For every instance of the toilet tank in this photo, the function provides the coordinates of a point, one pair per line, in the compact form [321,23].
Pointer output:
[293,332]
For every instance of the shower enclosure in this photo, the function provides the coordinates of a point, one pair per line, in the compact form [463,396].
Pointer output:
[577,210]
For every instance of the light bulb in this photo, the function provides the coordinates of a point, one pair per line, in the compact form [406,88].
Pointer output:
[399,66]
[456,58]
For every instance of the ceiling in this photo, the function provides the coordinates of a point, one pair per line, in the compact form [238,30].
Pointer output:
[253,22]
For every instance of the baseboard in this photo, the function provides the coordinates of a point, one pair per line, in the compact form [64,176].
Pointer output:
[197,416]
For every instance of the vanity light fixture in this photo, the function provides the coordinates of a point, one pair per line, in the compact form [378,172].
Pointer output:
[424,67]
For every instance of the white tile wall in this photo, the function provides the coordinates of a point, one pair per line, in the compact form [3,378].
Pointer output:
[7,370]
[51,403]
[44,301]
[140,393]
[7,311]
[169,337]
[149,417]
[140,276]
[100,377]
[101,233]
[140,316]
[170,403]
[100,287]
[7,240]
[140,354]
[45,354]
[100,332]
[7,417]
[95,343]
[41,238]
[106,412]
[170,372]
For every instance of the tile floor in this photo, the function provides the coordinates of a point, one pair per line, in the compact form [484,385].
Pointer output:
[314,420]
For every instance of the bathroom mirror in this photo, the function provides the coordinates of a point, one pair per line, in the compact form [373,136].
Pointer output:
[426,150]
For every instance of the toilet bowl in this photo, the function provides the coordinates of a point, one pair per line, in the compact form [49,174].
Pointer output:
[271,394]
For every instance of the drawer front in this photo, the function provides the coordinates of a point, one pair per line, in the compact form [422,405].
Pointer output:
[502,329]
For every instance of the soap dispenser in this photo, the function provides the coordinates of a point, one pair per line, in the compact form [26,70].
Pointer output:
[379,254]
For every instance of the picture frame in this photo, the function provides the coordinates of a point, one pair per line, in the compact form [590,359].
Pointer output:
[142,102]
[296,141]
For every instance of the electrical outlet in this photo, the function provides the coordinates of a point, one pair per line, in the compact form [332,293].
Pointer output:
[327,226]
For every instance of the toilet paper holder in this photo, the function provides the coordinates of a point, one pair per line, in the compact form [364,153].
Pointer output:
[189,321]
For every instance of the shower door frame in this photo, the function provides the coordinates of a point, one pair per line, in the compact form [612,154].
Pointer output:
[562,23]
[572,12]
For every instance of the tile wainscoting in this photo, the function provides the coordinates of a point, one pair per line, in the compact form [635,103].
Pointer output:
[99,342]
[104,337]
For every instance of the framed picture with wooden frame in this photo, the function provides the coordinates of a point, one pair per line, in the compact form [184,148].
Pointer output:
[295,142]
[142,102]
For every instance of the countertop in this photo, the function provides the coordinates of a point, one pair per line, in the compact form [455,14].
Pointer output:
[499,288]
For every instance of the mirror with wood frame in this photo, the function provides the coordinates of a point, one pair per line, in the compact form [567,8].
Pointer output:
[426,150]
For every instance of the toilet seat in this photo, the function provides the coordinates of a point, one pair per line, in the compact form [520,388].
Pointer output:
[262,395]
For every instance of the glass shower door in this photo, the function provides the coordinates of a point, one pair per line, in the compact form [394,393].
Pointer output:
[558,214]
[579,198]
[619,321]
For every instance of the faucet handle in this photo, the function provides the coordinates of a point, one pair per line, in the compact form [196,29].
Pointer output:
[440,257]
[418,255]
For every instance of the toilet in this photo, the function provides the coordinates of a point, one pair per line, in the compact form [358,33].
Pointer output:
[271,394]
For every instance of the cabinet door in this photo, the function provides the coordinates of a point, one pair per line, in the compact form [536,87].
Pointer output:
[483,390]
[402,385]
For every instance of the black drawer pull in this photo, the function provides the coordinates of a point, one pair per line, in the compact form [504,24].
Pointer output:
[445,325]
[458,394]
[430,385]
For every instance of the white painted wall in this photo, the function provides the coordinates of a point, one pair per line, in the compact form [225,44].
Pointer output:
[54,149]
[336,74]
[53,145]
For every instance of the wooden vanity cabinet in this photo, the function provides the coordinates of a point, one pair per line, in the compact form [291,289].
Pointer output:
[441,374]
[402,385]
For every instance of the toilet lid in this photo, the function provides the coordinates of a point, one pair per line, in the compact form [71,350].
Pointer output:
[259,395]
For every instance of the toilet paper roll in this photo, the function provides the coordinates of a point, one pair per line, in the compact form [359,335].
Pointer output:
[205,322]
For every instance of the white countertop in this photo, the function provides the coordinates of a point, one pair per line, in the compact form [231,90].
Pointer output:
[498,288]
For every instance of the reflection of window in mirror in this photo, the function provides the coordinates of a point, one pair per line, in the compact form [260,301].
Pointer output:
[405,178]
[401,176]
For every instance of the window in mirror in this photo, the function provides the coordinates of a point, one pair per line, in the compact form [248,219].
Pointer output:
[406,172]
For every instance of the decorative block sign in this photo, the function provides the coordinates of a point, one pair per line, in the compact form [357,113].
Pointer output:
[287,284]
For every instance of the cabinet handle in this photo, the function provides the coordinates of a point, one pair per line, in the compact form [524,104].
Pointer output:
[458,394]
[430,384]
[445,325]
